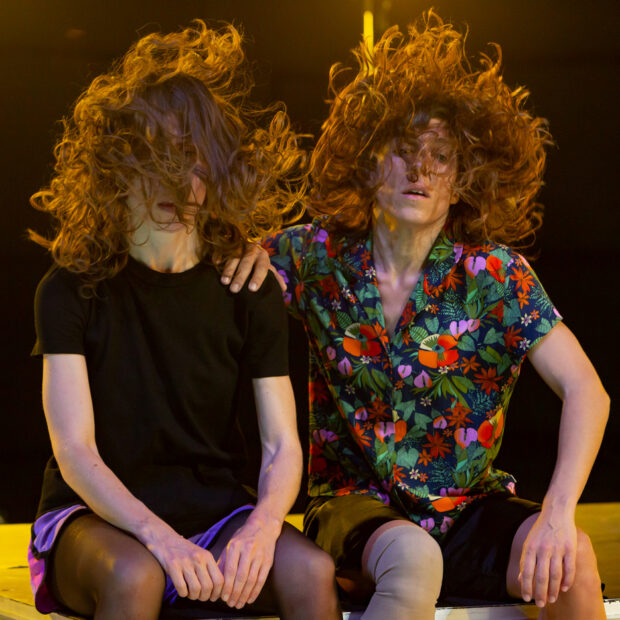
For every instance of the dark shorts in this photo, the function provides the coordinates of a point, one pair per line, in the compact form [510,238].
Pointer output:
[476,549]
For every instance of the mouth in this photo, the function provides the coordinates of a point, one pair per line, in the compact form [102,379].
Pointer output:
[416,193]
[167,206]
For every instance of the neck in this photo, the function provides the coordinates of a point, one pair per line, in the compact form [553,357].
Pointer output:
[401,250]
[167,252]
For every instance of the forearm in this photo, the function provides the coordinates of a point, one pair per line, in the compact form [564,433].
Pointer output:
[278,484]
[86,473]
[584,415]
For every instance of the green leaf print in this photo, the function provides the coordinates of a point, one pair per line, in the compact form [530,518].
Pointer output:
[466,343]
[418,334]
[422,420]
[432,324]
[490,355]
[407,458]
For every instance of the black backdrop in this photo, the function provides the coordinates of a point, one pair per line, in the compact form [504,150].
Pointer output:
[566,52]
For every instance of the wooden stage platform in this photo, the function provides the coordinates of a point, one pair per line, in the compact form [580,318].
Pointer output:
[600,521]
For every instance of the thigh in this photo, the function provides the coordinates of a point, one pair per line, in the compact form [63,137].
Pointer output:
[91,557]
[477,548]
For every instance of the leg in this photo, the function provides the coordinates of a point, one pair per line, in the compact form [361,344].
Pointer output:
[583,600]
[406,564]
[98,570]
[301,584]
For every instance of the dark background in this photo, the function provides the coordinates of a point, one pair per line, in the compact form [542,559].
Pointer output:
[565,52]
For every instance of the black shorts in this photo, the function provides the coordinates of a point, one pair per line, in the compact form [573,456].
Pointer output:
[476,549]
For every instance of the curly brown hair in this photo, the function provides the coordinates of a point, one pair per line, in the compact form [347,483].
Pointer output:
[395,90]
[172,101]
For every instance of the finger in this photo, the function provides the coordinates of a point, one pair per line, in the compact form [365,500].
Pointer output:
[193,584]
[176,576]
[229,570]
[526,575]
[279,278]
[250,583]
[541,580]
[251,262]
[262,266]
[263,573]
[217,579]
[204,579]
[243,570]
[229,270]
[570,567]
[555,577]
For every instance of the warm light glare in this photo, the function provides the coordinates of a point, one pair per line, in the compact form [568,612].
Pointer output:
[369,29]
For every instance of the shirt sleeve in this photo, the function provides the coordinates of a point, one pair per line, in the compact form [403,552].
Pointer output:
[60,314]
[266,350]
[287,250]
[529,314]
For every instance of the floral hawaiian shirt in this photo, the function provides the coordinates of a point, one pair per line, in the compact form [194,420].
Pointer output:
[415,419]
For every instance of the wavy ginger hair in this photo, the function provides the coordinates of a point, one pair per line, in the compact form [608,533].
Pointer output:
[394,91]
[174,105]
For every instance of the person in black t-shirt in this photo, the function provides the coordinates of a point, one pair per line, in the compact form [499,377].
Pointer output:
[161,172]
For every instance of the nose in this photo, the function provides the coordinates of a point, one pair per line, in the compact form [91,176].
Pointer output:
[413,171]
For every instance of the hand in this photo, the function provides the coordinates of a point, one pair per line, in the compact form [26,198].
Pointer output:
[247,560]
[548,559]
[192,569]
[255,260]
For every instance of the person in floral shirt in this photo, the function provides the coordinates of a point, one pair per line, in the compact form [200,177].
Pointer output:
[419,316]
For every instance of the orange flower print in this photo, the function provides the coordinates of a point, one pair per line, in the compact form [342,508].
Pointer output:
[400,430]
[438,350]
[487,380]
[523,299]
[425,458]
[470,364]
[362,340]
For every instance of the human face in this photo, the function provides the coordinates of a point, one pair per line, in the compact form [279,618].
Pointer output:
[417,178]
[164,212]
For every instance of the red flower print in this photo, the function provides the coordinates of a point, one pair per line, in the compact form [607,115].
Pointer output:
[398,473]
[361,438]
[362,340]
[486,434]
[318,391]
[453,279]
[494,267]
[458,416]
[523,278]
[487,380]
[511,337]
[437,445]
[330,287]
[498,310]
[438,350]
[378,409]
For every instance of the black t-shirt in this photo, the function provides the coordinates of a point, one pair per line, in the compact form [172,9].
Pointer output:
[164,352]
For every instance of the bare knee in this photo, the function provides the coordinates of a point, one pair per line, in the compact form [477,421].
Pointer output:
[131,575]
[408,561]
[586,573]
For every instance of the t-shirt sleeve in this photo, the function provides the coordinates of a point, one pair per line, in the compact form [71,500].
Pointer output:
[529,314]
[266,348]
[286,250]
[60,314]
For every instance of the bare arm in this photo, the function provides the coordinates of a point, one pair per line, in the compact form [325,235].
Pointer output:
[249,554]
[551,545]
[70,419]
